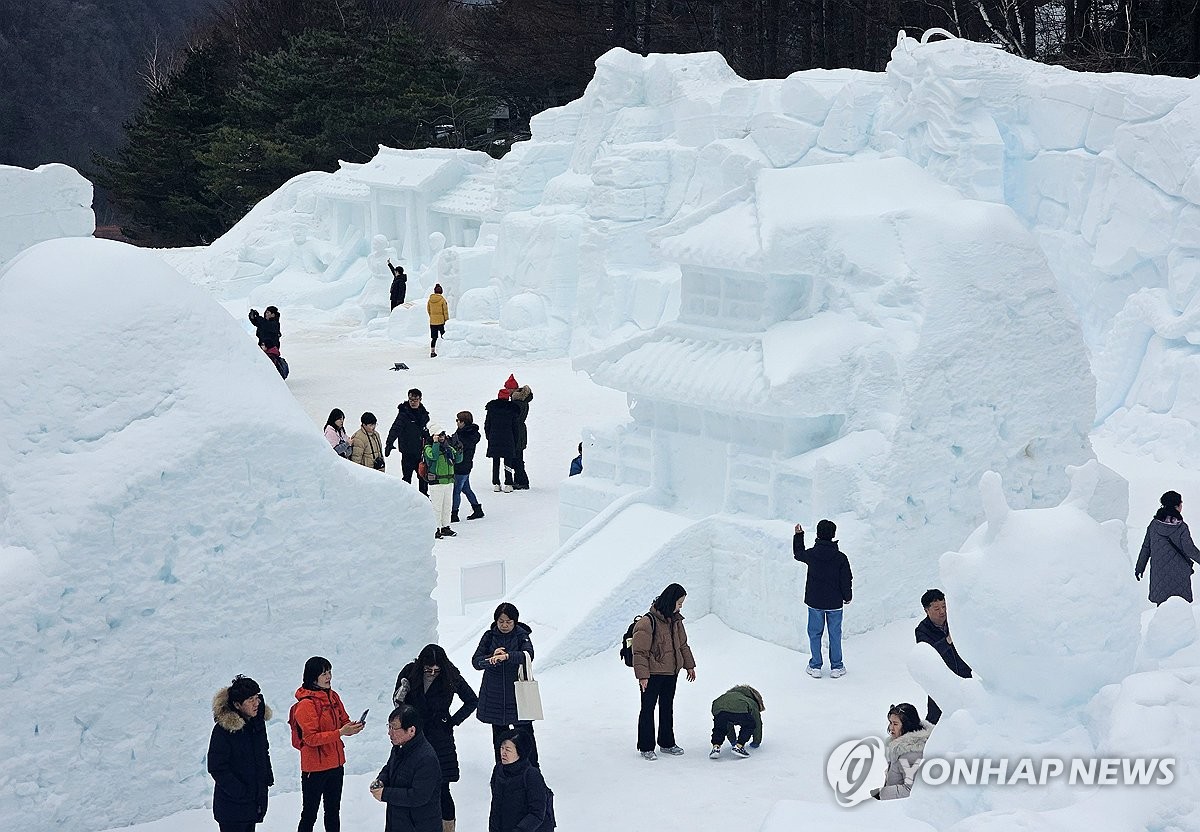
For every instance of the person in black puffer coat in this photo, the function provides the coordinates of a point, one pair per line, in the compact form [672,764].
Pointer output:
[828,587]
[266,327]
[499,657]
[429,684]
[239,756]
[468,437]
[500,428]
[521,801]
[410,432]
[1169,551]
[412,778]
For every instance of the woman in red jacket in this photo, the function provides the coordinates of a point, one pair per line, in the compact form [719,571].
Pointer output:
[321,721]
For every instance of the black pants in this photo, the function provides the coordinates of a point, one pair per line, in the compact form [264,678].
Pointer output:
[434,331]
[508,477]
[723,724]
[520,478]
[447,803]
[408,467]
[248,826]
[660,691]
[934,713]
[318,785]
[498,732]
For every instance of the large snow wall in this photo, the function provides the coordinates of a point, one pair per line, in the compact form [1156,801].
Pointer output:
[41,204]
[170,517]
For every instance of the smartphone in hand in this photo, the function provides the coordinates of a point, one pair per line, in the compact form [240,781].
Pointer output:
[363,718]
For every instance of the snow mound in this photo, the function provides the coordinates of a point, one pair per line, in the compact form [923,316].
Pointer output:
[41,204]
[171,517]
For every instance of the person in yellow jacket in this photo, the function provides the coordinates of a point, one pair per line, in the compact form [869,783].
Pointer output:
[439,313]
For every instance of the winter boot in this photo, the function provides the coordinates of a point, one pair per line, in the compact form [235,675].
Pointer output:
[449,532]
[454,517]
[476,511]
[438,534]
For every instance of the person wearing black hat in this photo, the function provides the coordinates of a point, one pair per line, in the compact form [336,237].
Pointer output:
[321,721]
[239,756]
[1169,552]
[399,284]
[828,586]
[411,781]
[521,801]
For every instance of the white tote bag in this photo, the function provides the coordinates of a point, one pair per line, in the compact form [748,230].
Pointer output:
[529,698]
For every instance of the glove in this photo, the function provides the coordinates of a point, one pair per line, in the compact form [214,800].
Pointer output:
[755,744]
[401,693]
[387,451]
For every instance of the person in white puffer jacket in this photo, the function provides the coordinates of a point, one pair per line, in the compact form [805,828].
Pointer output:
[905,749]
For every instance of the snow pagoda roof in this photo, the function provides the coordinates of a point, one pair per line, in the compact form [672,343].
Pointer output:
[471,197]
[773,226]
[415,169]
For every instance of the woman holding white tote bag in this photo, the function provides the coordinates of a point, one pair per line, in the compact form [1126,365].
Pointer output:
[500,655]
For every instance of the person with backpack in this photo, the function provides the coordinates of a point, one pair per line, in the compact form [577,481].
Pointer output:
[319,722]
[467,435]
[335,433]
[409,432]
[741,706]
[1169,551]
[499,655]
[365,447]
[660,650]
[410,780]
[827,588]
[500,428]
[441,455]
[429,683]
[521,801]
[239,756]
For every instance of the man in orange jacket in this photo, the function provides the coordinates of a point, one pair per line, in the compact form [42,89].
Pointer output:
[319,721]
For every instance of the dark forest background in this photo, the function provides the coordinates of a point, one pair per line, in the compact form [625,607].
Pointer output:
[187,112]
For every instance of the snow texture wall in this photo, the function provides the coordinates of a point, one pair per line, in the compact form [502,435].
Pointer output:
[41,204]
[170,517]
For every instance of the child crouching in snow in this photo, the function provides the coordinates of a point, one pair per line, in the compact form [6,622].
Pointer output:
[740,706]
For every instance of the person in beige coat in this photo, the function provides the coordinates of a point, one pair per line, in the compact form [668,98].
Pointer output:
[439,313]
[365,446]
[660,651]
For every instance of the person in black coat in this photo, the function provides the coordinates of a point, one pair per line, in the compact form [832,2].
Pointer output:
[522,396]
[399,284]
[828,586]
[429,683]
[521,801]
[266,327]
[499,656]
[412,778]
[934,630]
[468,437]
[1169,551]
[500,428]
[410,432]
[239,756]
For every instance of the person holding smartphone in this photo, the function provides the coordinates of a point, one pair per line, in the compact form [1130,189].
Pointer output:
[321,722]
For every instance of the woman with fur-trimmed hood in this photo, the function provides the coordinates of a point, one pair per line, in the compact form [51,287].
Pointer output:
[905,749]
[239,757]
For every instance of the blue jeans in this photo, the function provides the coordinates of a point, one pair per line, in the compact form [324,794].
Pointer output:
[816,626]
[462,485]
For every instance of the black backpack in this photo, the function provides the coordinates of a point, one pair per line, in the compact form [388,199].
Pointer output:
[627,641]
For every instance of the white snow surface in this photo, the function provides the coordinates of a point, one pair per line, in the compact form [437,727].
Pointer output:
[41,204]
[167,511]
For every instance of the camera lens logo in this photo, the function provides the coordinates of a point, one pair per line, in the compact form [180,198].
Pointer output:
[854,767]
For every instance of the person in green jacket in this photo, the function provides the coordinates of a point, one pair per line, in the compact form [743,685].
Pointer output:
[741,706]
[439,456]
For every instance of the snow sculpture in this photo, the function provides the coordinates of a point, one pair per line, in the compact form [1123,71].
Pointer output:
[826,362]
[1026,589]
[167,515]
[41,204]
